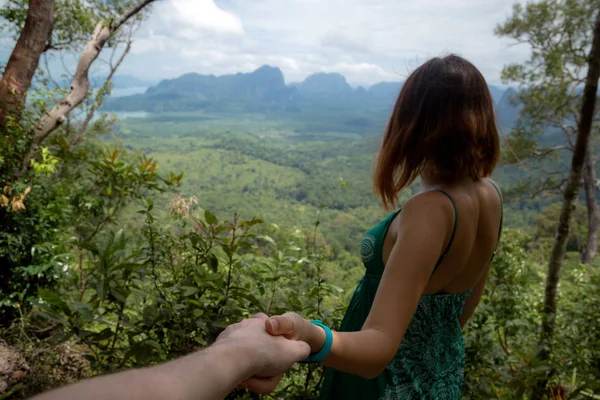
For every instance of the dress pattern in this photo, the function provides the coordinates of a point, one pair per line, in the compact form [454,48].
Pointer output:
[367,248]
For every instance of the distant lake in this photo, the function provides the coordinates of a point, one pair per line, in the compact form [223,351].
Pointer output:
[129,114]
[128,91]
[122,115]
[125,114]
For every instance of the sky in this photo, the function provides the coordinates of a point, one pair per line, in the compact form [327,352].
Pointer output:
[367,41]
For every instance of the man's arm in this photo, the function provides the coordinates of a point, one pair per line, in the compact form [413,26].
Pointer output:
[207,374]
[241,351]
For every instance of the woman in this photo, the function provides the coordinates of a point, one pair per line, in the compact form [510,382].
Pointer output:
[427,263]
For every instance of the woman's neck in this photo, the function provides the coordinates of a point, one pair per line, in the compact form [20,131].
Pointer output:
[432,182]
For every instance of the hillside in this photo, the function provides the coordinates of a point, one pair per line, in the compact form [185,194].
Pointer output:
[281,170]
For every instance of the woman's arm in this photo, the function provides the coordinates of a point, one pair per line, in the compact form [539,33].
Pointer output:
[424,230]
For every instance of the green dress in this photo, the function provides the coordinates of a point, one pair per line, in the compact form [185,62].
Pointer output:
[430,361]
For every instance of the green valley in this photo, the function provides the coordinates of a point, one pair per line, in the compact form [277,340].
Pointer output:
[277,168]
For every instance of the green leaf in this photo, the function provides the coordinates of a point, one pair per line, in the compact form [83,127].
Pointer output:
[105,334]
[61,337]
[268,239]
[51,316]
[195,302]
[149,314]
[84,310]
[142,352]
[213,277]
[55,300]
[210,218]
[120,293]
[91,247]
[189,290]
[226,248]
[213,263]
[100,290]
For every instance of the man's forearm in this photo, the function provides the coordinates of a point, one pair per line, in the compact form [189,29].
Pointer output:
[205,375]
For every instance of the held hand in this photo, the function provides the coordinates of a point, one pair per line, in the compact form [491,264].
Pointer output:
[269,355]
[293,326]
[289,325]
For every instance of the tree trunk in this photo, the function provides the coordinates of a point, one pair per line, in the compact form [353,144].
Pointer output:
[570,196]
[24,60]
[589,183]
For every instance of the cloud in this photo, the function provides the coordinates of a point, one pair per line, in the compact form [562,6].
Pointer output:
[366,40]
[178,25]
[394,35]
[345,42]
[202,15]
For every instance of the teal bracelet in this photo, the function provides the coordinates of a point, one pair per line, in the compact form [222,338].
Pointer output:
[321,354]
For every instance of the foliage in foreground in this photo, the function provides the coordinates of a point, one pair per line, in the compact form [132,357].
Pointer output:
[166,285]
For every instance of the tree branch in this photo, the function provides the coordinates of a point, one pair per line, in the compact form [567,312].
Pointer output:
[569,133]
[80,85]
[545,189]
[545,152]
[60,45]
[90,114]
[116,24]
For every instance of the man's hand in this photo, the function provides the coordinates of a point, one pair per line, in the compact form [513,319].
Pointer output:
[269,356]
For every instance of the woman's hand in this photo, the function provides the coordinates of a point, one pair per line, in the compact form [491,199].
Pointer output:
[293,326]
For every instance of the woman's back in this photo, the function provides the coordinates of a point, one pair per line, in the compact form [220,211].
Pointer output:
[429,363]
[478,209]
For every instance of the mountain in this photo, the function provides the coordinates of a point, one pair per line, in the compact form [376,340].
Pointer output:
[506,112]
[128,81]
[497,93]
[386,91]
[259,91]
[324,83]
[386,88]
[263,90]
[321,95]
[264,84]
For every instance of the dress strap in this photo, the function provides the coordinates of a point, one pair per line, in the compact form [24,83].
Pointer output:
[501,215]
[443,257]
[501,208]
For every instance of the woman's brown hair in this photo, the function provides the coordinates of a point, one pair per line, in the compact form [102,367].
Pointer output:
[443,118]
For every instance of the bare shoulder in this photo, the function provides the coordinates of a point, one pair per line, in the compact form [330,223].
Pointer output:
[425,222]
[496,187]
[426,206]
